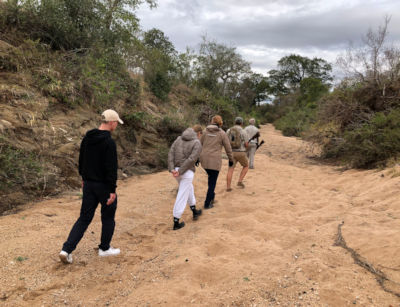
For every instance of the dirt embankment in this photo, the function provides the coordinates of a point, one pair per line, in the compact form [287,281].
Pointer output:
[40,137]
[277,242]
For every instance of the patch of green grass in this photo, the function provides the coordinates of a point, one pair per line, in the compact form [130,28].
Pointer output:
[20,258]
[17,166]
[246,279]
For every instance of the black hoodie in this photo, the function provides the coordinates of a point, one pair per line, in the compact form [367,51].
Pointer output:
[98,158]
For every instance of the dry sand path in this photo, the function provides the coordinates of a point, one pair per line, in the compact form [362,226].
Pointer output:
[271,244]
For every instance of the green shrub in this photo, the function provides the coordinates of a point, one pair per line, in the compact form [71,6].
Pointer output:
[17,166]
[296,122]
[162,155]
[372,144]
[134,121]
[159,84]
[170,128]
[137,120]
[226,109]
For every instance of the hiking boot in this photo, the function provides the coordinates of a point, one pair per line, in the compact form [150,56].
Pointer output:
[178,225]
[240,185]
[229,189]
[109,252]
[209,206]
[196,214]
[65,257]
[214,202]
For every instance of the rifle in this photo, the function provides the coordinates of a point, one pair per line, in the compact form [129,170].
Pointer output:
[258,145]
[254,136]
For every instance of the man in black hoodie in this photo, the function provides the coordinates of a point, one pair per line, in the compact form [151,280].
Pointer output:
[98,167]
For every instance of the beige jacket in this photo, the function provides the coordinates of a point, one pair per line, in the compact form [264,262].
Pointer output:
[212,140]
[184,152]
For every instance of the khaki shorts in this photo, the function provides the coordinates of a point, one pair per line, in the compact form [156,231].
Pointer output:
[241,157]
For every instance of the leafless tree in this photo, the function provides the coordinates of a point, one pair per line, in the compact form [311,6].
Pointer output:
[374,61]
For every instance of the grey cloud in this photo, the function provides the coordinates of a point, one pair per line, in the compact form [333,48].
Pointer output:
[304,27]
[328,30]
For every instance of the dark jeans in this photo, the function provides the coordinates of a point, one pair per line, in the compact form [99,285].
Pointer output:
[212,182]
[93,194]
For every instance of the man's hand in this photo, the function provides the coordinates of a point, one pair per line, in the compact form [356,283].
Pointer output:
[175,173]
[112,198]
[246,144]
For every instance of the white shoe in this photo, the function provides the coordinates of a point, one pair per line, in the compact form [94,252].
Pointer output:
[109,252]
[65,257]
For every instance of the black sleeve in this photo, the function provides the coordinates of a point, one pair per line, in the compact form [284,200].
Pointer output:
[82,156]
[111,165]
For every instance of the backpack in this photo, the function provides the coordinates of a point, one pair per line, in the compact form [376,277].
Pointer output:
[234,137]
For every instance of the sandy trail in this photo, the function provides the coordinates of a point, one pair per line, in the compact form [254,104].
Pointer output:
[267,245]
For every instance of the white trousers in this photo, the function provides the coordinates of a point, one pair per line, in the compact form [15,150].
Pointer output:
[251,151]
[185,193]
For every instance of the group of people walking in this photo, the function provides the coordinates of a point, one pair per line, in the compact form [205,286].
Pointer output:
[196,146]
[98,168]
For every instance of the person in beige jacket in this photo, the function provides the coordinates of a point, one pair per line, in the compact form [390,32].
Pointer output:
[212,140]
[184,153]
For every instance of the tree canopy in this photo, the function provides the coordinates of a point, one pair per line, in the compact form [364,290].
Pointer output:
[294,68]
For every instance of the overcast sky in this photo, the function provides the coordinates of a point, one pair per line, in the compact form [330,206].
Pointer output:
[266,30]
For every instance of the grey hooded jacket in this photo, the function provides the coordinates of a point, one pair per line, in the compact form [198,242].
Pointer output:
[184,152]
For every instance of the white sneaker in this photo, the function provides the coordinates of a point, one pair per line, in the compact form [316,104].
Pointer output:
[109,252]
[65,257]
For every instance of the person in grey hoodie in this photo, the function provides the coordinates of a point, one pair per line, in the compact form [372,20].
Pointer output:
[212,140]
[182,156]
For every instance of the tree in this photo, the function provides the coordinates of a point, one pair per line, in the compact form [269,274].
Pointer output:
[311,90]
[250,91]
[75,24]
[294,68]
[156,39]
[374,61]
[117,12]
[185,67]
[160,62]
[220,63]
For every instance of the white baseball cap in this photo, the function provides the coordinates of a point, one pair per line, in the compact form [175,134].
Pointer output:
[111,116]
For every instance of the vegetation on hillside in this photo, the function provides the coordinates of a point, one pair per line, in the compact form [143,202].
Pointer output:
[355,122]
[93,54]
[74,56]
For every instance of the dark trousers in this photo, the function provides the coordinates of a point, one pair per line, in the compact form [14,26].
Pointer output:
[93,194]
[212,182]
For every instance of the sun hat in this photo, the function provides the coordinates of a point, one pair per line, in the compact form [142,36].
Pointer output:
[111,116]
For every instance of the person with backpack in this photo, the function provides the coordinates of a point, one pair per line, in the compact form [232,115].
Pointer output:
[253,133]
[212,140]
[182,157]
[238,139]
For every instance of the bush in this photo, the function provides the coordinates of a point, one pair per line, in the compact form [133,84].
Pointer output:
[162,155]
[370,145]
[135,121]
[226,109]
[18,167]
[296,122]
[170,128]
[159,84]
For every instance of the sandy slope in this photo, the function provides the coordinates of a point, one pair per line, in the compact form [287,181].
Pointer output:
[267,245]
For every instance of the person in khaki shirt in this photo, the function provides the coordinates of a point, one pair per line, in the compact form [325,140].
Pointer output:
[253,133]
[212,140]
[239,142]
